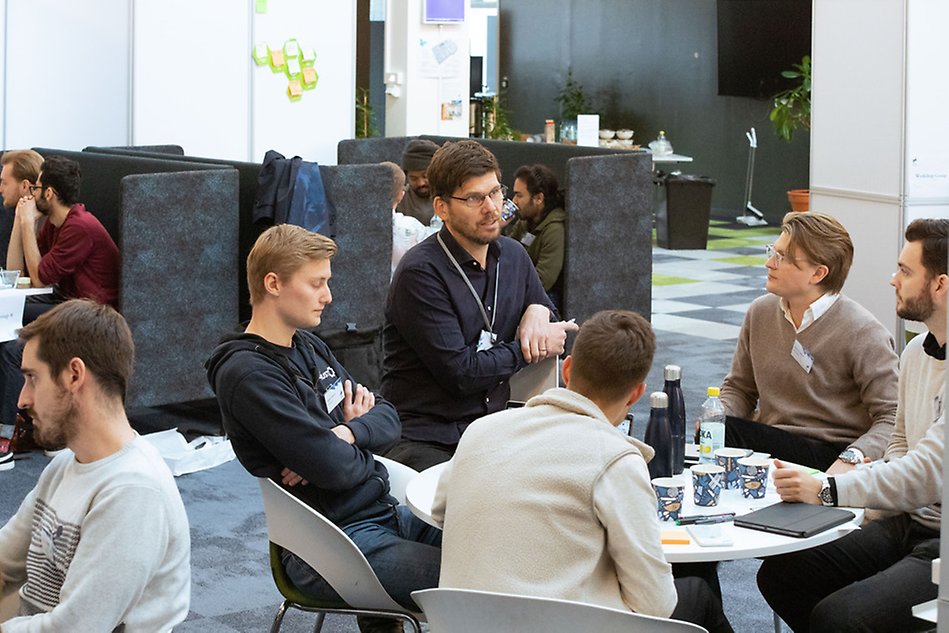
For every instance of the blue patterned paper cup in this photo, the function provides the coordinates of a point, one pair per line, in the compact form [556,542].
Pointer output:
[670,492]
[707,484]
[753,472]
[728,458]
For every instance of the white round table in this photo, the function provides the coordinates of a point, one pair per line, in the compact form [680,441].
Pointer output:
[746,543]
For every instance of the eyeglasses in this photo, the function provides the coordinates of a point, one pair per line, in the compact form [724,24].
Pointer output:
[475,200]
[33,189]
[778,257]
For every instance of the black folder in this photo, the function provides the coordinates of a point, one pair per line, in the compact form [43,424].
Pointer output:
[800,520]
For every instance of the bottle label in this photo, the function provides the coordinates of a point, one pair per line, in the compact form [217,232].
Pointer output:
[711,438]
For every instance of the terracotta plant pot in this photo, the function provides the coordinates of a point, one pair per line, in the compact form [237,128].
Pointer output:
[800,199]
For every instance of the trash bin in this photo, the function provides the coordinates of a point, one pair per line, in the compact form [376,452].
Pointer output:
[683,205]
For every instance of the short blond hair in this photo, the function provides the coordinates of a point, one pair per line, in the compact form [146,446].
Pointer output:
[283,249]
[24,164]
[823,240]
[398,181]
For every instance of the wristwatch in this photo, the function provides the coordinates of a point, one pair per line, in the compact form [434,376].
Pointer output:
[851,456]
[825,495]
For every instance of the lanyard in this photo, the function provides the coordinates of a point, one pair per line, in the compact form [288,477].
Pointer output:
[489,325]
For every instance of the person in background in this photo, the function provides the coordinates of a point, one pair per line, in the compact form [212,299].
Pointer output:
[551,500]
[406,230]
[870,579]
[417,202]
[102,542]
[542,225]
[813,378]
[20,170]
[465,311]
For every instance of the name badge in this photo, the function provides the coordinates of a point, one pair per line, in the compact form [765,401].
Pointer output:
[333,395]
[802,356]
[486,340]
[528,239]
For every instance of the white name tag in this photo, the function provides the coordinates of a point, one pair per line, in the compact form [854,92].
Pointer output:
[528,239]
[486,340]
[333,395]
[802,356]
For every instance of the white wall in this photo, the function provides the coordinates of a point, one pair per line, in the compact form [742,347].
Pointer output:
[67,73]
[417,108]
[191,82]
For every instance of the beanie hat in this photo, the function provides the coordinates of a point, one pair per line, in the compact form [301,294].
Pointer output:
[418,154]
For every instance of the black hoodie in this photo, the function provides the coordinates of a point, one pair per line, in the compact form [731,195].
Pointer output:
[272,403]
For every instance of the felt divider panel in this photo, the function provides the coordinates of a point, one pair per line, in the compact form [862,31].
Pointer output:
[248,232]
[361,195]
[173,150]
[608,263]
[179,278]
[372,150]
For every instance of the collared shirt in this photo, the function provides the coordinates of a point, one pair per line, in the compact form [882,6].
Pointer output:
[434,374]
[813,312]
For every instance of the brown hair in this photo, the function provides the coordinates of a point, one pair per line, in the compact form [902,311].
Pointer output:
[612,354]
[282,249]
[454,163]
[934,234]
[25,164]
[90,331]
[823,240]
[398,180]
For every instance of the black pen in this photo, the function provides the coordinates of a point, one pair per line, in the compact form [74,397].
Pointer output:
[705,519]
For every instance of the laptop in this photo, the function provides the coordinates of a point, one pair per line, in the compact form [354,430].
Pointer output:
[800,520]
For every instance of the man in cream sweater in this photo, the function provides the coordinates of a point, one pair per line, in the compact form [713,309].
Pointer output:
[870,579]
[551,500]
[813,378]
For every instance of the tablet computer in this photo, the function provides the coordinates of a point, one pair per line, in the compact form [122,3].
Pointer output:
[800,520]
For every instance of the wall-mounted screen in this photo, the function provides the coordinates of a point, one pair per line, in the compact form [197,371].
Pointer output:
[444,11]
[757,39]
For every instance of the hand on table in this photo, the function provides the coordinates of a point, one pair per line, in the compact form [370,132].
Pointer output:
[356,401]
[795,485]
[290,478]
[539,337]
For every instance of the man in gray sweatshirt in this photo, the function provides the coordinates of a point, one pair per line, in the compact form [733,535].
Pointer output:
[871,578]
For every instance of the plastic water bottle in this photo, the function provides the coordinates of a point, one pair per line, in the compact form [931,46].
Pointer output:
[626,426]
[659,436]
[711,426]
[673,389]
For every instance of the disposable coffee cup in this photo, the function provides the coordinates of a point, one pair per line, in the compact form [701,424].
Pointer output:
[728,458]
[753,472]
[707,484]
[670,493]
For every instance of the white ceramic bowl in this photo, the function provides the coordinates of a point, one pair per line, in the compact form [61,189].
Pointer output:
[606,134]
[624,135]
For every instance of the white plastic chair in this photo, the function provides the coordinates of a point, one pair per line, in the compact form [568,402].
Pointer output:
[468,611]
[294,526]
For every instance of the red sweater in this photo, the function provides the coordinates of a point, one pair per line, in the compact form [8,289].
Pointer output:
[80,257]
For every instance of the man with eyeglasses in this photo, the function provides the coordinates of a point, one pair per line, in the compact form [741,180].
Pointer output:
[417,202]
[813,378]
[72,253]
[465,311]
[870,579]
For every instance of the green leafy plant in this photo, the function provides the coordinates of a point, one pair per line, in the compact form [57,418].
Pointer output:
[572,99]
[496,119]
[365,117]
[791,109]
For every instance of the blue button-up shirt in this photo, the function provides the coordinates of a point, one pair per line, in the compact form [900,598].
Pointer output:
[434,374]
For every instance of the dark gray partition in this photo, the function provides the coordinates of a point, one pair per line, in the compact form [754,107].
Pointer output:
[608,262]
[179,278]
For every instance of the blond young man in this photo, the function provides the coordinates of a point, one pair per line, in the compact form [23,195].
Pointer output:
[813,378]
[296,416]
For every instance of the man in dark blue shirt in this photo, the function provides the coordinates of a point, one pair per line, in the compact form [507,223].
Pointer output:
[465,311]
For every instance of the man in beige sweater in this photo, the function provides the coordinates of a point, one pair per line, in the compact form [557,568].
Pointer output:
[552,500]
[870,579]
[813,379]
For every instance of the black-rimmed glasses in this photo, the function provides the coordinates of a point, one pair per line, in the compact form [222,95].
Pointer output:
[475,200]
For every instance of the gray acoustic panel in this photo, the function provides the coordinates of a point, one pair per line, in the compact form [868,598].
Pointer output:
[179,278]
[608,262]
[174,150]
[361,195]
[372,150]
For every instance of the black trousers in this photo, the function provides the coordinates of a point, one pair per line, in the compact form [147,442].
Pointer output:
[698,605]
[868,580]
[420,455]
[780,443]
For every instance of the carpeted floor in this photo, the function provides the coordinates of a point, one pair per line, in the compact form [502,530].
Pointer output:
[699,298]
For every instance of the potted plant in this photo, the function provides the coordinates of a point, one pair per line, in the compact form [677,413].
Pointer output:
[573,101]
[791,110]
